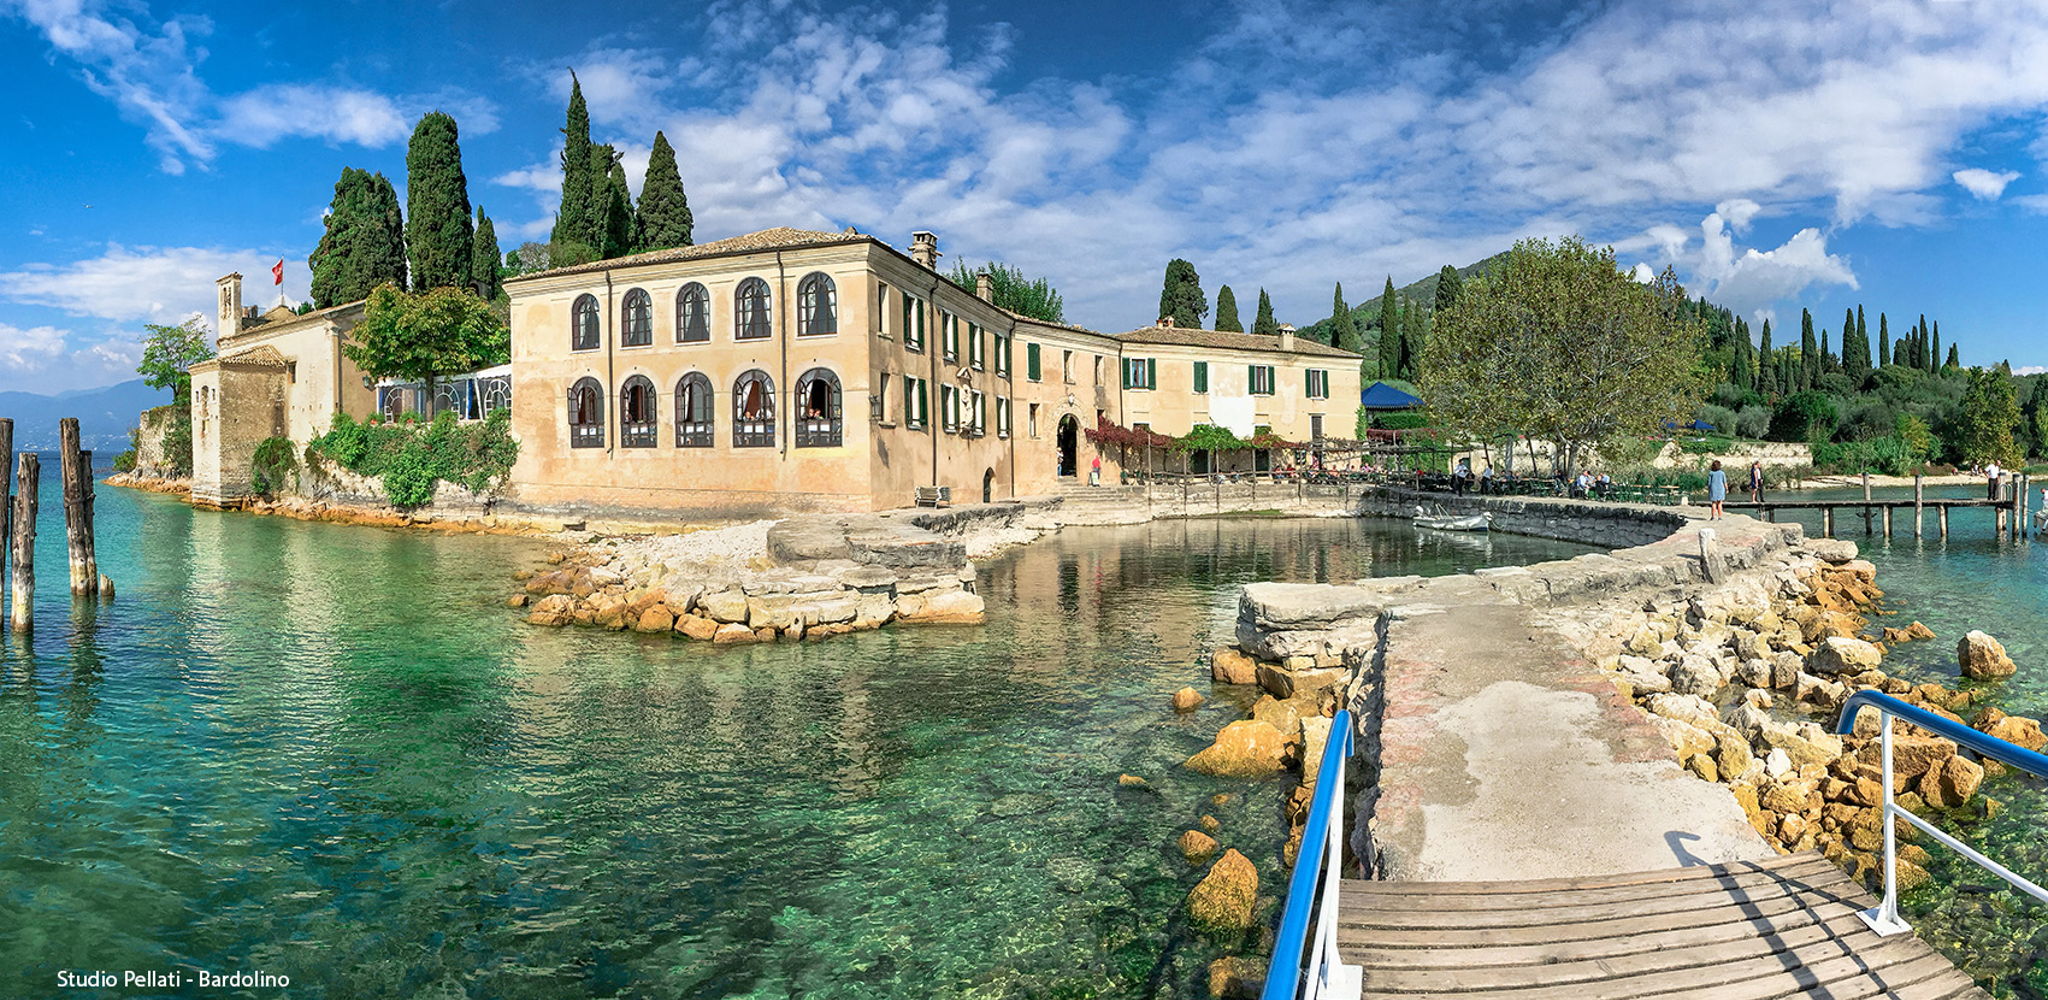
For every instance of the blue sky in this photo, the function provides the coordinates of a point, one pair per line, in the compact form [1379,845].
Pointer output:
[1776,155]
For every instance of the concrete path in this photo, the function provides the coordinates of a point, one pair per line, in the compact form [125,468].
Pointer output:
[1505,756]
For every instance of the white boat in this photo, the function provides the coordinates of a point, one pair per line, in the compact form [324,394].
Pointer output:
[1442,521]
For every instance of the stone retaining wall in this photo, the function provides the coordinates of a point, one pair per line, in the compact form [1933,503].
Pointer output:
[1611,525]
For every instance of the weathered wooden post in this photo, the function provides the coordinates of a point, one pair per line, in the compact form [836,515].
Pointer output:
[6,492]
[75,468]
[1827,522]
[1919,500]
[1887,512]
[1866,501]
[1941,515]
[1999,528]
[23,542]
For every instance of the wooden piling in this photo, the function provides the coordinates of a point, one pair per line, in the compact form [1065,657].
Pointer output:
[22,543]
[1887,512]
[1827,522]
[75,466]
[1866,501]
[1919,498]
[6,494]
[1941,515]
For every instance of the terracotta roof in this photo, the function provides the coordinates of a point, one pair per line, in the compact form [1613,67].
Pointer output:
[778,238]
[1223,340]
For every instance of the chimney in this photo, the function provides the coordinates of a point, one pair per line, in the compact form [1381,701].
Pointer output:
[984,287]
[1165,323]
[924,248]
[227,316]
[1287,336]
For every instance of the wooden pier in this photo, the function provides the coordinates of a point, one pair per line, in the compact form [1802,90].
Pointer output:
[2010,513]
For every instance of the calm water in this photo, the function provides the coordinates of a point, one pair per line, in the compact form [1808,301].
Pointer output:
[330,753]
[1971,582]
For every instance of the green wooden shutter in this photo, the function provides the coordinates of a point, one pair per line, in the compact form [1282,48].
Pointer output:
[1031,370]
[1201,376]
[1251,378]
[1152,373]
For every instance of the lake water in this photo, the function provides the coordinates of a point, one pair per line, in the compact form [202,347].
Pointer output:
[330,753]
[1972,582]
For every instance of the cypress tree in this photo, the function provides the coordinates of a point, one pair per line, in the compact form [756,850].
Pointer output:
[1827,358]
[364,242]
[664,220]
[1809,352]
[1741,367]
[1414,333]
[1180,295]
[1226,311]
[573,219]
[484,257]
[1343,328]
[437,223]
[1884,342]
[1955,362]
[618,210]
[1263,323]
[1766,377]
[1850,346]
[1448,286]
[1920,352]
[1390,338]
[1934,352]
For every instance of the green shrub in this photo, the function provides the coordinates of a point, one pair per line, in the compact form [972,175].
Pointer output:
[409,481]
[410,456]
[1805,415]
[1400,420]
[1753,421]
[273,466]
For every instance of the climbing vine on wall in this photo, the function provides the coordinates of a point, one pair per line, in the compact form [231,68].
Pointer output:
[410,457]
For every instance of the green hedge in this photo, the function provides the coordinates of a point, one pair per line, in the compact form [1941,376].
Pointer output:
[410,457]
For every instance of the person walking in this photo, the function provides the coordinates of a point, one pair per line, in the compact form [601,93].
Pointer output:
[1756,481]
[1717,490]
[1991,481]
[1095,471]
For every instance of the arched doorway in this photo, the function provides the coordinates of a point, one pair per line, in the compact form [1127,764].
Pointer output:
[1069,438]
[988,486]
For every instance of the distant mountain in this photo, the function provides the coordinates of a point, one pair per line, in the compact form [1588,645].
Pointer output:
[105,415]
[1367,313]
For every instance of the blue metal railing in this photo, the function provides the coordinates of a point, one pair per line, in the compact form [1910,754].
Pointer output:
[1885,918]
[1296,970]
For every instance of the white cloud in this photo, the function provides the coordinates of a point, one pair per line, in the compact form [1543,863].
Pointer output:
[149,284]
[2031,370]
[1738,212]
[278,111]
[1642,273]
[1986,185]
[26,350]
[1749,279]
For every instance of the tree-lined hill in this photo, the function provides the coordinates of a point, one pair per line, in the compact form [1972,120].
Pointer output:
[104,416]
[1365,316]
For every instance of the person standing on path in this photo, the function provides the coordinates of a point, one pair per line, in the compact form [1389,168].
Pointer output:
[1717,490]
[1095,471]
[1991,481]
[1756,481]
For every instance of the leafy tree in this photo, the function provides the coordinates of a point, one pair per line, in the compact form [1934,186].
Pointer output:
[1987,418]
[1181,295]
[1448,284]
[1390,332]
[437,223]
[1263,323]
[483,265]
[424,335]
[364,242]
[1226,311]
[1914,438]
[1806,415]
[168,354]
[576,219]
[1555,340]
[1033,297]
[528,258]
[1344,329]
[664,220]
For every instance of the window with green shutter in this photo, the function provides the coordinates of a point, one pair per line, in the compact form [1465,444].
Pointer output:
[1031,369]
[1201,376]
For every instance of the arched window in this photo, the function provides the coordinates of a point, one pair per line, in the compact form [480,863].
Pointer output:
[753,411]
[693,314]
[636,413]
[694,415]
[586,414]
[818,416]
[636,319]
[583,319]
[750,311]
[817,310]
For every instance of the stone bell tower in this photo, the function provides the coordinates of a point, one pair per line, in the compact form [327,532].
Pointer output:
[227,314]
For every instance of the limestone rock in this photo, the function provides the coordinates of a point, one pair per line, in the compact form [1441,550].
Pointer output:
[697,627]
[1833,550]
[1131,781]
[1687,740]
[733,632]
[1185,699]
[1284,716]
[1244,749]
[1951,784]
[655,619]
[1838,655]
[1983,657]
[2019,731]
[1197,847]
[1284,683]
[1785,670]
[725,606]
[948,607]
[1683,707]
[554,609]
[1315,736]
[1731,754]
[1907,634]
[1236,978]
[516,601]
[1912,756]
[1228,665]
[1222,900]
[1695,676]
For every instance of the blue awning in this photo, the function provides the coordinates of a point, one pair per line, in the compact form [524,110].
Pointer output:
[1381,396]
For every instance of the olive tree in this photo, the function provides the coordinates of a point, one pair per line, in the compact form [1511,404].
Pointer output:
[1558,342]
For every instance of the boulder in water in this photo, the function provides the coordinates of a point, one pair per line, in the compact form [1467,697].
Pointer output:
[1222,900]
[1983,657]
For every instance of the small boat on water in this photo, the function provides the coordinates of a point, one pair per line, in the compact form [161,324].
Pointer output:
[1443,521]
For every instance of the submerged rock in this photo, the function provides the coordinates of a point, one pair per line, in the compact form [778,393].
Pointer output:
[1228,665]
[1197,847]
[1236,978]
[1245,749]
[1222,900]
[1185,699]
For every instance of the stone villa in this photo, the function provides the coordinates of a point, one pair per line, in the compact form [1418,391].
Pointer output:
[780,370]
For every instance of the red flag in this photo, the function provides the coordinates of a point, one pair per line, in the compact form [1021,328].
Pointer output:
[277,272]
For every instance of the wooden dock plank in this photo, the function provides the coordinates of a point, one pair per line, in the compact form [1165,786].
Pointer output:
[1748,931]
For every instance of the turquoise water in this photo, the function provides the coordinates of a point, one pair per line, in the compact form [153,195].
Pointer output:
[330,753]
[1973,582]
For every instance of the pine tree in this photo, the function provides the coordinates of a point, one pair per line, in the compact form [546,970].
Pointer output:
[1343,328]
[1448,285]
[618,237]
[484,257]
[1809,352]
[573,219]
[364,245]
[437,223]
[664,220]
[1180,295]
[1263,323]
[1226,311]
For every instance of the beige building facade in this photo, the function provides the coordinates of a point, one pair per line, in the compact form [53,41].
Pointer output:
[277,374]
[791,369]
